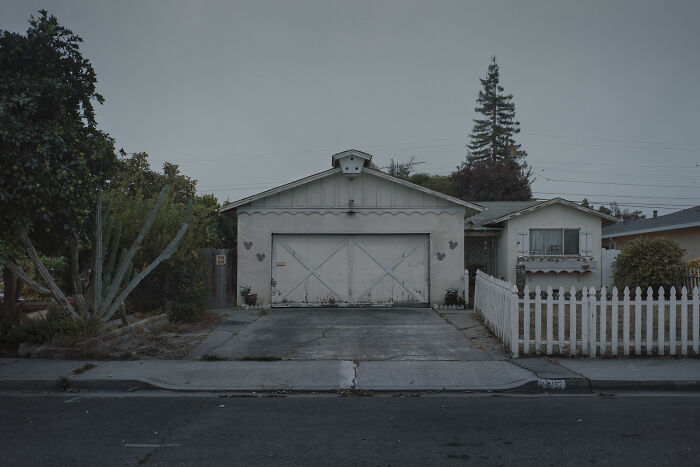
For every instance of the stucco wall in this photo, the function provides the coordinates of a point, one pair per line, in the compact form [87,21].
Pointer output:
[258,227]
[505,251]
[688,239]
[554,216]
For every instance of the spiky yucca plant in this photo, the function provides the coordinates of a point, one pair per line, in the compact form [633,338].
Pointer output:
[110,282]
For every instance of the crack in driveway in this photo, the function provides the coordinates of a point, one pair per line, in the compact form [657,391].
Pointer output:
[323,335]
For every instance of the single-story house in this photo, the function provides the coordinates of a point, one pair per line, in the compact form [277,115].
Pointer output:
[547,243]
[682,226]
[350,235]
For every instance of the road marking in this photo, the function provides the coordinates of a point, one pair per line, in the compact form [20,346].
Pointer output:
[72,400]
[133,445]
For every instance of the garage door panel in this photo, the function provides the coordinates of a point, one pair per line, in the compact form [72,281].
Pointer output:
[350,269]
[311,291]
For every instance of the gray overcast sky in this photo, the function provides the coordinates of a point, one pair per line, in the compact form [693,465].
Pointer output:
[248,95]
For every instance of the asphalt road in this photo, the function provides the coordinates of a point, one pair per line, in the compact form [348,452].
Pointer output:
[79,429]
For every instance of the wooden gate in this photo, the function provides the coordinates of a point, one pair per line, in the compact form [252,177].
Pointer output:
[220,265]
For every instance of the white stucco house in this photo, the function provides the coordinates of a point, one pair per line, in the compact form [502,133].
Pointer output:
[350,235]
[547,243]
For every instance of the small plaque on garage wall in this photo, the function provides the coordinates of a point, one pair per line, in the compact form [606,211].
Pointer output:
[220,260]
[280,263]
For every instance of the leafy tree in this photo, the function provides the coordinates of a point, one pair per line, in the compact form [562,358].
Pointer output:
[494,170]
[179,284]
[614,210]
[442,183]
[53,157]
[499,181]
[135,179]
[493,135]
[649,262]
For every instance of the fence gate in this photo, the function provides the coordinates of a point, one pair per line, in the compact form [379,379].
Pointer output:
[220,265]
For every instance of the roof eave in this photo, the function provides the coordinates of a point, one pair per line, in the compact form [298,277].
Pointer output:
[651,230]
[279,189]
[550,202]
[423,189]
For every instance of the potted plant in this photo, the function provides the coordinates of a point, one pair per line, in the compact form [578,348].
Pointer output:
[249,298]
[454,297]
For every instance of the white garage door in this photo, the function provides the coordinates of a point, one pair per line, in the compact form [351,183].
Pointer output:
[350,269]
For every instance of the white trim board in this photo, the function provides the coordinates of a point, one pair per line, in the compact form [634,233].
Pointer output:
[550,202]
[335,170]
[651,230]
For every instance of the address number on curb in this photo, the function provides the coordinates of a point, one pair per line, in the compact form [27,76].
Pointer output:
[552,383]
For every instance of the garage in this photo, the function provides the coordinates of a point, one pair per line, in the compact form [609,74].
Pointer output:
[350,235]
[350,270]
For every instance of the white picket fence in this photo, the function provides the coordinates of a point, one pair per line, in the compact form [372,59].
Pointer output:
[589,322]
[497,302]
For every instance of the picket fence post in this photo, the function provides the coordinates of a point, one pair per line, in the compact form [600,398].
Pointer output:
[526,320]
[626,322]
[650,321]
[661,321]
[603,321]
[614,316]
[514,321]
[584,321]
[465,279]
[561,320]
[592,321]
[696,320]
[550,321]
[572,321]
[684,321]
[672,322]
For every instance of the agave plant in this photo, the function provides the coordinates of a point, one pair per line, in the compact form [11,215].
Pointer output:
[110,282]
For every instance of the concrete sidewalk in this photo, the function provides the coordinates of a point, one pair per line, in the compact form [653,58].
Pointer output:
[519,375]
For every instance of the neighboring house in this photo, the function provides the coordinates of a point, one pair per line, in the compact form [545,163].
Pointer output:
[546,243]
[682,226]
[350,236]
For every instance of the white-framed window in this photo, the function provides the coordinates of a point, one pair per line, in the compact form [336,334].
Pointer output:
[548,242]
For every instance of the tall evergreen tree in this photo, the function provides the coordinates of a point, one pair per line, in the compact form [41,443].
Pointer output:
[492,138]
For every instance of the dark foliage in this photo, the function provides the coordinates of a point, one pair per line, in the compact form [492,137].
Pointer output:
[649,262]
[53,156]
[499,181]
[493,135]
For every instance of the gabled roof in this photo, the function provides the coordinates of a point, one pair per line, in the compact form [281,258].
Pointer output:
[279,189]
[335,170]
[494,209]
[500,211]
[676,220]
[423,189]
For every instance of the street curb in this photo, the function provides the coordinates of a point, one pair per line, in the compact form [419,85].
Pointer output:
[541,386]
[669,385]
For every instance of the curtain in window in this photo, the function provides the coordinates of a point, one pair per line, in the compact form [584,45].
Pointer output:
[554,242]
[537,241]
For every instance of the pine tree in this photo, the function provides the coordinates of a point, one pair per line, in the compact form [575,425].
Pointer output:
[492,138]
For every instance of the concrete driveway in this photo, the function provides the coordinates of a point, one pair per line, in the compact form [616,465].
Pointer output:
[359,334]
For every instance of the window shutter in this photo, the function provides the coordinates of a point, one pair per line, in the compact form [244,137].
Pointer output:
[585,242]
[523,243]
